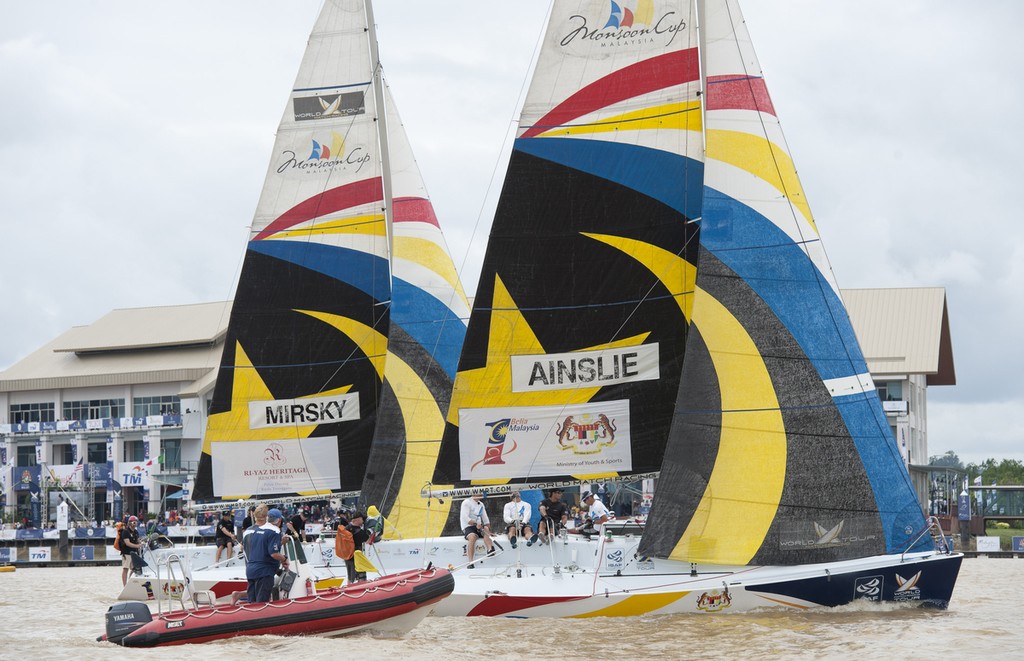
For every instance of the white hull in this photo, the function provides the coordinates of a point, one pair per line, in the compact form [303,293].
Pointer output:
[575,577]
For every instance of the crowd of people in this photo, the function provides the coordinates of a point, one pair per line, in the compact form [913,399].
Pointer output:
[587,518]
[265,531]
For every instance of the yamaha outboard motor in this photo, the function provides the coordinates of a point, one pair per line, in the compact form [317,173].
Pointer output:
[125,617]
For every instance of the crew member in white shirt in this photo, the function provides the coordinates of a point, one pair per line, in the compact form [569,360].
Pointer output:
[596,510]
[475,525]
[517,519]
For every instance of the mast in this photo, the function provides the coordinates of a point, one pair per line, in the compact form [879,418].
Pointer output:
[382,127]
[702,64]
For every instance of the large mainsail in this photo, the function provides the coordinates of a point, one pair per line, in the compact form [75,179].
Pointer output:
[428,325]
[780,452]
[294,408]
[574,346]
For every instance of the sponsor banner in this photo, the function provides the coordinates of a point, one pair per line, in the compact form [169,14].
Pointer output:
[537,441]
[328,105]
[1018,544]
[132,473]
[278,466]
[506,489]
[83,553]
[96,532]
[987,544]
[8,554]
[112,553]
[63,474]
[307,411]
[39,554]
[585,369]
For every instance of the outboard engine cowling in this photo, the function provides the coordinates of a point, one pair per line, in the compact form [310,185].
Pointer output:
[125,617]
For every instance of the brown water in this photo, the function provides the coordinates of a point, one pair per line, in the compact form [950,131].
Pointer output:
[58,612]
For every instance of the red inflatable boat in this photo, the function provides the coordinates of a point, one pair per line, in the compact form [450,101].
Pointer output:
[390,605]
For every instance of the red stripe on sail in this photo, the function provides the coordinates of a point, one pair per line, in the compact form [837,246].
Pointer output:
[739,93]
[644,77]
[417,209]
[330,201]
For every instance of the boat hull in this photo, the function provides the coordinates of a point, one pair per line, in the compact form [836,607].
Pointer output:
[390,606]
[580,578]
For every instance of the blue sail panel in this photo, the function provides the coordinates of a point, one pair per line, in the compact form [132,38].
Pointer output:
[671,179]
[431,323]
[361,270]
[789,282]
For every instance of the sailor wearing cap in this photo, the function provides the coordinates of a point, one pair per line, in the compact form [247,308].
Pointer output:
[597,512]
[264,557]
[129,544]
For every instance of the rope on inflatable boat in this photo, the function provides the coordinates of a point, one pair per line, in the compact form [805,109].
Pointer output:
[334,595]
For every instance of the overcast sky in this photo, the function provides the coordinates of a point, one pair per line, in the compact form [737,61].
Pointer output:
[134,138]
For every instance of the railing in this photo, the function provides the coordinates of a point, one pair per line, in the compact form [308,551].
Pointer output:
[931,524]
[99,424]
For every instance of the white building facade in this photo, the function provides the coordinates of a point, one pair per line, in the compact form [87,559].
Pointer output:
[109,416]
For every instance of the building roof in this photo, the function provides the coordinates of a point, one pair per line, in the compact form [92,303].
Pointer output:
[904,331]
[128,346]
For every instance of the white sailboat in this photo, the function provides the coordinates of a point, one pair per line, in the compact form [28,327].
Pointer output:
[349,315]
[656,295]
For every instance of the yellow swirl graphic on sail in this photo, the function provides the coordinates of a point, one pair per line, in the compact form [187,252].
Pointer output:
[746,482]
[424,426]
[430,255]
[763,159]
[745,485]
[370,224]
[371,342]
[681,116]
[674,272]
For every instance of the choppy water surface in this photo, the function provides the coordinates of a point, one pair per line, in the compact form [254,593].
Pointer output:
[59,612]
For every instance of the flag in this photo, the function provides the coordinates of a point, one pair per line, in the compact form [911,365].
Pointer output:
[363,563]
[78,467]
[977,481]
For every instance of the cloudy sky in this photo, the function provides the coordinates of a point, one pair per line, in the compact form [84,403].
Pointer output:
[134,138]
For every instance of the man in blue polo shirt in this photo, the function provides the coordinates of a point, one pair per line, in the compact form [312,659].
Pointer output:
[263,558]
